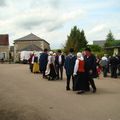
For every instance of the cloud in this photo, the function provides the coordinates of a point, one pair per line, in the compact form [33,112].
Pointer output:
[55,3]
[46,3]
[2,3]
[51,19]
[97,28]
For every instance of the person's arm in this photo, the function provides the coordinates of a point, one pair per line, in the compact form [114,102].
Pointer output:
[76,67]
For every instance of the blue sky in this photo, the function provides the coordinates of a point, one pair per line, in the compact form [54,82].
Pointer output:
[52,20]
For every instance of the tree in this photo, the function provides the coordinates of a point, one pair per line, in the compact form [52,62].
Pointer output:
[95,48]
[76,40]
[109,40]
[83,41]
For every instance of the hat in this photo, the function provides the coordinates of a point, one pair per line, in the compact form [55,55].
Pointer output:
[59,51]
[79,54]
[51,52]
[88,49]
[71,50]
[45,50]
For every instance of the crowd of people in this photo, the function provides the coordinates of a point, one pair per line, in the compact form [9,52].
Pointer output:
[81,68]
[110,65]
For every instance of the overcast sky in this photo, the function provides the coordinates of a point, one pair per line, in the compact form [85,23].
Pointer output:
[52,20]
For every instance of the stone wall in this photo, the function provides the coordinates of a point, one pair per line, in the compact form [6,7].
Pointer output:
[19,45]
[5,49]
[22,44]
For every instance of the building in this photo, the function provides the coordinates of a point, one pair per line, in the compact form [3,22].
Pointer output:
[11,54]
[114,49]
[30,42]
[99,43]
[4,47]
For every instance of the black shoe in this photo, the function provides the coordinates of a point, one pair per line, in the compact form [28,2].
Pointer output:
[87,90]
[81,92]
[67,88]
[94,91]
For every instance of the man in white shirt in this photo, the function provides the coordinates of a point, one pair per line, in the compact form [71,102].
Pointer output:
[59,63]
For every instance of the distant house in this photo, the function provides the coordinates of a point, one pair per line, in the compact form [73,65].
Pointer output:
[115,49]
[99,43]
[30,42]
[4,47]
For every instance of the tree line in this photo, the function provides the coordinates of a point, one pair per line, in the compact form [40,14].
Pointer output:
[77,40]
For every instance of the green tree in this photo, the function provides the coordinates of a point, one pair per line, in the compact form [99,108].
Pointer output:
[95,48]
[76,40]
[109,40]
[83,42]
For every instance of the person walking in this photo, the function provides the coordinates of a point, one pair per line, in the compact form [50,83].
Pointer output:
[59,63]
[114,61]
[79,73]
[69,68]
[35,64]
[50,71]
[43,60]
[90,68]
[104,63]
[30,62]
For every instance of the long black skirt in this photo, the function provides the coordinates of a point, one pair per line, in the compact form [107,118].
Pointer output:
[80,82]
[52,73]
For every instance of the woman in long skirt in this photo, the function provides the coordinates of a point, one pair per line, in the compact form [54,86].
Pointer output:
[50,72]
[36,65]
[79,73]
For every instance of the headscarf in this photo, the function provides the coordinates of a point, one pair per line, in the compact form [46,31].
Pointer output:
[80,56]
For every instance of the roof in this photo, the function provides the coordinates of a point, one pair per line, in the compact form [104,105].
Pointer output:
[99,42]
[31,47]
[112,47]
[30,37]
[4,39]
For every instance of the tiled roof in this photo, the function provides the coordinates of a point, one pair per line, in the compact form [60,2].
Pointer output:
[4,39]
[30,37]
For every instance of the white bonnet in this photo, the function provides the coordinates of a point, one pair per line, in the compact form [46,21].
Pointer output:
[51,52]
[79,54]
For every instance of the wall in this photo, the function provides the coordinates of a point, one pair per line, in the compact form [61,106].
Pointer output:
[22,44]
[5,49]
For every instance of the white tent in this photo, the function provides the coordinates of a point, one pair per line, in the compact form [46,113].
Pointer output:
[25,55]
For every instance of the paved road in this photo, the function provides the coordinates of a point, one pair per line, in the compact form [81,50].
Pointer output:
[26,96]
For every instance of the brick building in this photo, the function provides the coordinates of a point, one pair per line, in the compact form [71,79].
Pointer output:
[4,47]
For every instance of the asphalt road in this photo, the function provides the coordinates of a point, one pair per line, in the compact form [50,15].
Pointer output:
[26,96]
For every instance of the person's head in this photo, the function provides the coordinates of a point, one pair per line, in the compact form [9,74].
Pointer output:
[59,52]
[71,50]
[51,53]
[80,55]
[45,50]
[87,51]
[54,54]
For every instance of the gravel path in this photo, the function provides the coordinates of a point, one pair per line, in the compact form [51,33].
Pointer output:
[26,96]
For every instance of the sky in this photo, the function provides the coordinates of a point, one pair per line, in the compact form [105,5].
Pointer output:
[52,20]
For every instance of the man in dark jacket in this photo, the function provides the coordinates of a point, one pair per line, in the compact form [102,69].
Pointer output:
[114,61]
[119,65]
[69,67]
[43,60]
[90,68]
[59,63]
